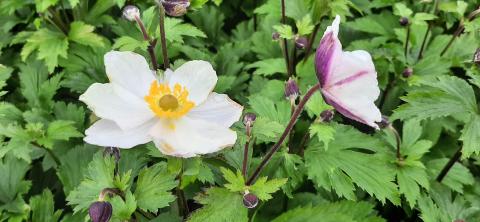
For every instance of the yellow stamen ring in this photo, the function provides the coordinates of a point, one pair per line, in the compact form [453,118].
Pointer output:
[167,103]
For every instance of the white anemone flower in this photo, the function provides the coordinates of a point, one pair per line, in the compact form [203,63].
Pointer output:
[179,112]
[348,80]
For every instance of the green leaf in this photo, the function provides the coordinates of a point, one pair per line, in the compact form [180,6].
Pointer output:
[305,26]
[236,182]
[402,10]
[316,105]
[177,30]
[82,33]
[59,130]
[5,73]
[219,205]
[127,43]
[123,210]
[324,132]
[153,187]
[43,208]
[268,67]
[457,178]
[263,188]
[471,137]
[15,186]
[285,31]
[50,45]
[43,5]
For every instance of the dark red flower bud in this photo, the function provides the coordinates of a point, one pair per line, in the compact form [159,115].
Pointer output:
[301,42]
[407,72]
[100,211]
[275,36]
[250,200]
[327,115]
[404,21]
[476,57]
[175,7]
[131,12]
[291,90]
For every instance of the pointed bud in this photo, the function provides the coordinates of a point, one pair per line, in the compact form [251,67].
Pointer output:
[131,13]
[403,21]
[249,119]
[407,72]
[175,7]
[384,123]
[100,211]
[250,200]
[301,42]
[476,57]
[275,36]
[291,90]
[327,115]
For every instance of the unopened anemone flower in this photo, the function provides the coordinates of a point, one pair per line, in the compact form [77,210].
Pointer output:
[348,80]
[178,112]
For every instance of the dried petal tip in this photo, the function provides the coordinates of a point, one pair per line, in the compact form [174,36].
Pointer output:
[131,12]
[476,57]
[327,115]
[175,7]
[291,90]
[275,36]
[100,211]
[404,21]
[250,200]
[407,72]
[384,123]
[301,42]
[249,118]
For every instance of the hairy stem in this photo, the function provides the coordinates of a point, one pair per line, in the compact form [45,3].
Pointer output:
[407,40]
[163,40]
[425,37]
[245,157]
[284,135]
[285,43]
[459,30]
[151,45]
[398,141]
[449,165]
[181,200]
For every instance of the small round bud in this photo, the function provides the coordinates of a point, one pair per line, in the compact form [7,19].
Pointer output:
[175,7]
[100,211]
[403,21]
[248,119]
[327,115]
[291,90]
[275,36]
[384,123]
[407,72]
[301,42]
[131,12]
[250,200]
[476,57]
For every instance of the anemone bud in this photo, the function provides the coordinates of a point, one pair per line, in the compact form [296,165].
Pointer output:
[291,90]
[100,211]
[250,200]
[275,36]
[327,115]
[175,7]
[384,123]
[407,72]
[476,57]
[131,12]
[403,21]
[301,42]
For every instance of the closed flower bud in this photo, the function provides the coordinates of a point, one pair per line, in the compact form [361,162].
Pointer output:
[248,119]
[131,12]
[407,72]
[175,7]
[403,21]
[301,42]
[250,200]
[100,211]
[384,123]
[291,90]
[275,36]
[476,57]
[327,115]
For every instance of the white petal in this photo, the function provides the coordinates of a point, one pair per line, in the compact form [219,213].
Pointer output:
[107,133]
[189,137]
[353,88]
[334,27]
[129,70]
[219,109]
[198,77]
[112,102]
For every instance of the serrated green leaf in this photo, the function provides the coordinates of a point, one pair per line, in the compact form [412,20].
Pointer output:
[43,208]
[123,209]
[177,30]
[285,31]
[50,45]
[263,188]
[268,67]
[219,205]
[236,182]
[324,132]
[471,137]
[305,26]
[82,33]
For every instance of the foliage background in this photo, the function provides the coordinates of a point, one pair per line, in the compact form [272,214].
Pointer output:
[52,50]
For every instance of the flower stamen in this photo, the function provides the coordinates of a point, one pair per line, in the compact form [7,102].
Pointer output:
[168,103]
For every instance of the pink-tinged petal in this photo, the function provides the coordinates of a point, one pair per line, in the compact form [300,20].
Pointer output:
[107,133]
[353,88]
[328,51]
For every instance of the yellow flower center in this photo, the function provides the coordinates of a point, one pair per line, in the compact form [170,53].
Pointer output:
[168,103]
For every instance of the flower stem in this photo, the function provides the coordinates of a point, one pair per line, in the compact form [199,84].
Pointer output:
[430,25]
[285,133]
[459,30]
[245,157]
[151,45]
[310,42]
[407,40]
[449,165]
[163,40]
[182,201]
[285,43]
[398,141]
